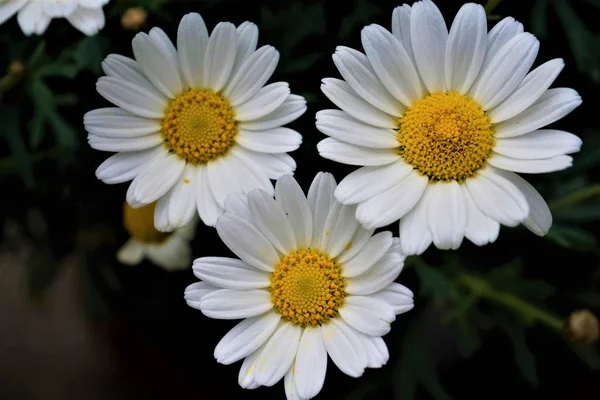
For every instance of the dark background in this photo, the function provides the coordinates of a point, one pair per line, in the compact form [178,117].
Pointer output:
[76,324]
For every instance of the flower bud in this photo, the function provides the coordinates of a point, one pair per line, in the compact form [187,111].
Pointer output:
[134,18]
[583,327]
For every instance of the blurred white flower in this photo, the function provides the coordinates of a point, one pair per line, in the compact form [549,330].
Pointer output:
[195,123]
[169,250]
[34,16]
[440,122]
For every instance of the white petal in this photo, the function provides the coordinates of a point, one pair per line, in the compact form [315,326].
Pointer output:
[367,182]
[247,242]
[32,18]
[208,207]
[265,101]
[154,182]
[392,64]
[539,219]
[429,34]
[237,204]
[162,40]
[220,55]
[339,125]
[182,199]
[528,91]
[247,41]
[535,166]
[192,40]
[123,167]
[291,389]
[87,20]
[543,143]
[377,352]
[246,337]
[229,273]
[506,70]
[373,251]
[497,197]
[367,315]
[398,296]
[480,228]
[344,348]
[116,123]
[355,68]
[276,358]
[401,28]
[222,179]
[157,65]
[446,215]
[174,254]
[342,95]
[415,237]
[253,73]
[249,175]
[357,243]
[392,204]
[273,165]
[311,363]
[196,291]
[499,35]
[379,276]
[131,253]
[339,229]
[235,304]
[126,69]
[466,47]
[292,108]
[551,106]
[291,199]
[320,200]
[9,8]
[246,374]
[277,140]
[132,97]
[124,144]
[350,154]
[271,221]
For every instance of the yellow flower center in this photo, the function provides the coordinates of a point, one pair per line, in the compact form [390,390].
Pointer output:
[446,136]
[199,126]
[307,287]
[139,222]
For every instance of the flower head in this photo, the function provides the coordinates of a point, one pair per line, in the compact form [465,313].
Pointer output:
[34,16]
[310,282]
[196,123]
[168,250]
[440,122]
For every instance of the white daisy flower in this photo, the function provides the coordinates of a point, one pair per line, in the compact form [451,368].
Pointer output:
[34,16]
[310,281]
[441,121]
[194,124]
[168,250]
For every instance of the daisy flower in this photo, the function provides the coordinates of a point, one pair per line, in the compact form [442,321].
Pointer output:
[196,123]
[310,282]
[34,16]
[440,122]
[168,250]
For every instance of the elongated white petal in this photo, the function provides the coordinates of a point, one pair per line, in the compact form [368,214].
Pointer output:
[401,28]
[229,273]
[132,97]
[220,55]
[480,228]
[342,95]
[429,34]
[339,228]
[344,347]
[291,199]
[104,143]
[368,315]
[499,35]
[373,251]
[398,296]
[276,140]
[292,107]
[157,65]
[208,207]
[379,276]
[392,64]
[320,199]
[192,40]
[273,165]
[339,125]
[311,363]
[466,47]
[126,69]
[162,40]
[415,236]
[116,123]
[535,166]
[182,199]
[235,304]
[446,215]
[377,352]
[357,243]
[367,182]
[196,291]
[265,101]
[246,375]
[154,182]
[543,143]
[345,153]
[551,106]
[247,41]
[528,91]
[279,353]
[123,167]
[271,221]
[9,8]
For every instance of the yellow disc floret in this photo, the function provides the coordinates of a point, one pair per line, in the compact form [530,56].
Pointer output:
[199,126]
[307,287]
[446,136]
[139,222]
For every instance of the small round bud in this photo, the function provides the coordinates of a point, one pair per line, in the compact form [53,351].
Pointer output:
[16,68]
[583,327]
[134,18]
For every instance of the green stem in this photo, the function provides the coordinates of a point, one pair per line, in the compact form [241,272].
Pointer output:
[8,81]
[575,198]
[527,310]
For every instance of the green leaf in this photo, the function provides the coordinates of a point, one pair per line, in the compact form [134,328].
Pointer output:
[469,338]
[363,13]
[19,154]
[61,70]
[434,283]
[36,56]
[507,278]
[539,15]
[65,134]
[523,356]
[572,237]
[580,214]
[90,52]
[36,131]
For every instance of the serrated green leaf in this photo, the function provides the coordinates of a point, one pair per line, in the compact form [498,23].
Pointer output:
[572,237]
[523,356]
